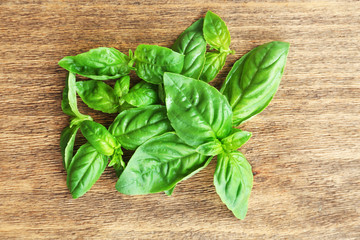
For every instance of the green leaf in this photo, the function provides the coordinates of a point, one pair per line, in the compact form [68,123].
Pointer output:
[122,86]
[235,140]
[98,95]
[69,101]
[152,61]
[216,32]
[67,140]
[99,137]
[192,44]
[117,162]
[99,64]
[196,110]
[254,80]
[158,165]
[210,148]
[213,64]
[233,181]
[142,94]
[135,126]
[85,169]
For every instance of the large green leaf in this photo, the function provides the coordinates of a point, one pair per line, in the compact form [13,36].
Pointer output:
[196,110]
[254,80]
[216,32]
[192,44]
[85,169]
[99,137]
[135,126]
[67,140]
[98,95]
[99,64]
[233,180]
[152,61]
[214,63]
[158,165]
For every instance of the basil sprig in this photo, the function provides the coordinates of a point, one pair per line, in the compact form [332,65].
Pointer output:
[173,119]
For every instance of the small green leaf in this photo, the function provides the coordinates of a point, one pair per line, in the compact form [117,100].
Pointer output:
[122,86]
[235,140]
[135,126]
[196,110]
[192,44]
[216,32]
[99,64]
[254,80]
[158,165]
[210,148]
[67,141]
[98,95]
[117,162]
[69,101]
[99,137]
[142,94]
[85,169]
[233,181]
[214,63]
[152,61]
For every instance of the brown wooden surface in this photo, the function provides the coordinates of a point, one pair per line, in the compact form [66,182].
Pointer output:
[304,149]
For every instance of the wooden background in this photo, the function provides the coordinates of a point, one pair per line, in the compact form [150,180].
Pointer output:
[305,145]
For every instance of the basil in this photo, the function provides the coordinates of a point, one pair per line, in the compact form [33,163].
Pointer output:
[152,61]
[85,169]
[233,180]
[158,165]
[169,143]
[254,80]
[98,64]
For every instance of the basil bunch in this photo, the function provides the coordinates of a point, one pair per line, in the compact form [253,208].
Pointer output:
[174,121]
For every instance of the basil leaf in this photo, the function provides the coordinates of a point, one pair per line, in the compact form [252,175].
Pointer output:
[99,137]
[210,148]
[69,101]
[98,95]
[196,110]
[122,86]
[192,44]
[85,169]
[233,181]
[117,162]
[152,61]
[99,64]
[214,63]
[158,165]
[235,140]
[216,32]
[135,126]
[67,140]
[254,80]
[142,94]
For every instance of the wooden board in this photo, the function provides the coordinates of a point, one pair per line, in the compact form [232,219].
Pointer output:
[305,145]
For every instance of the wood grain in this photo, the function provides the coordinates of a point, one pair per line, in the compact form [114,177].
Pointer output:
[305,145]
